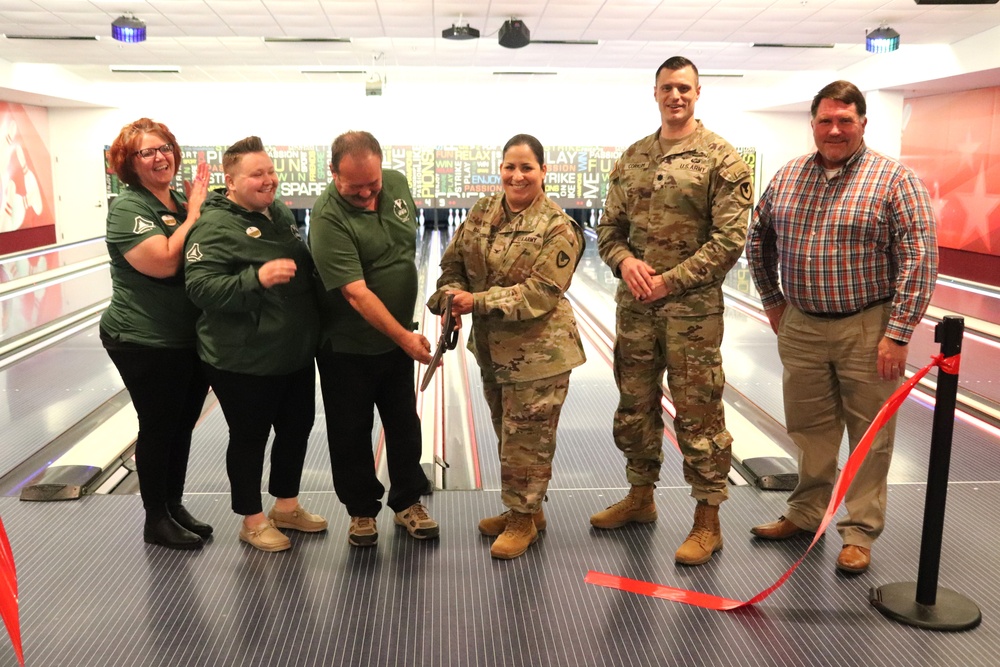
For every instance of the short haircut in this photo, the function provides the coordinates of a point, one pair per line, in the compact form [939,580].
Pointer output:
[841,91]
[121,155]
[356,143]
[675,63]
[526,140]
[235,153]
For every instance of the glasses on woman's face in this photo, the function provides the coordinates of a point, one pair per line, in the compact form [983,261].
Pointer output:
[147,153]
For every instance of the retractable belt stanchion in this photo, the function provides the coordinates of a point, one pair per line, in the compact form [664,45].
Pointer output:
[924,603]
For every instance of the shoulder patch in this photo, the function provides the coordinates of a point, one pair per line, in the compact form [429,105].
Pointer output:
[562,259]
[142,225]
[194,253]
[746,192]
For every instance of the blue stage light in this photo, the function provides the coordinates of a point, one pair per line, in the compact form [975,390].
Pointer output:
[128,29]
[882,40]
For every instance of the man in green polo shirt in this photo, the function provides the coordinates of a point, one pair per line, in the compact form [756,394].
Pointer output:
[363,240]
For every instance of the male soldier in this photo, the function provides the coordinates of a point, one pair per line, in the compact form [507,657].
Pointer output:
[853,232]
[363,240]
[674,223]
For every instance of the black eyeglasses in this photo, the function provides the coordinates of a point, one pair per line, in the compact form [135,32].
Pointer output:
[147,153]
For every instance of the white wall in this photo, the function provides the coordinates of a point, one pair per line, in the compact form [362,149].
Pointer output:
[412,113]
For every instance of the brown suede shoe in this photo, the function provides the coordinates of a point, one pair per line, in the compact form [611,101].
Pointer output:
[781,529]
[265,537]
[854,559]
[298,519]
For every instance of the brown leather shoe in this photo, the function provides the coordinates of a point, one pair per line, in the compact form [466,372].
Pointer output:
[854,559]
[781,529]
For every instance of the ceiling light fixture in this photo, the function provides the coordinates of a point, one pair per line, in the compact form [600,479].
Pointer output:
[145,69]
[787,45]
[514,34]
[308,40]
[882,40]
[127,28]
[460,31]
[57,38]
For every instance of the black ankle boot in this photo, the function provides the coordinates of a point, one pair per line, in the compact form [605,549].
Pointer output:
[168,533]
[184,518]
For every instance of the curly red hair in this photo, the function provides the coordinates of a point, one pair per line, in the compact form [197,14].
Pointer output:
[122,154]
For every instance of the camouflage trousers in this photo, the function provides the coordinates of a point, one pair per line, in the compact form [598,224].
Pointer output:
[687,348]
[525,416]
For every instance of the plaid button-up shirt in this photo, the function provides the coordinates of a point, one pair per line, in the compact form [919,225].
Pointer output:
[865,235]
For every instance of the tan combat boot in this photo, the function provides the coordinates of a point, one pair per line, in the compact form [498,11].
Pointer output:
[519,534]
[704,539]
[494,525]
[637,507]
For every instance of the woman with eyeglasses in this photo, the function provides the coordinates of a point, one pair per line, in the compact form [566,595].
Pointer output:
[149,327]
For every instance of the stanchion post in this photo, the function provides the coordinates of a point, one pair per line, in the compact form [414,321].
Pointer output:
[949,334]
[924,603]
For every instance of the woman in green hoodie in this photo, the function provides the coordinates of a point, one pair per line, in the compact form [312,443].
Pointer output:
[250,272]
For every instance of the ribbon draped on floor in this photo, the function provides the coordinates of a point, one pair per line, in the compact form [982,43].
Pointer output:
[8,594]
[709,601]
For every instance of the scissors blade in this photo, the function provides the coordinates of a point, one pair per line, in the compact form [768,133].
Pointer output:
[443,344]
[432,366]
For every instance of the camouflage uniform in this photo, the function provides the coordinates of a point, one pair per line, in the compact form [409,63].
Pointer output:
[684,212]
[524,333]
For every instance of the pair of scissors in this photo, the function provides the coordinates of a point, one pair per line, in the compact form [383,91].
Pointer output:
[447,341]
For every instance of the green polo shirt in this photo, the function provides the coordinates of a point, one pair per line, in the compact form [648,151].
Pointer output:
[350,244]
[145,310]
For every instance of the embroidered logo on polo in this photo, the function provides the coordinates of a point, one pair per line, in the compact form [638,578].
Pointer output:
[194,253]
[168,220]
[253,232]
[142,225]
[401,211]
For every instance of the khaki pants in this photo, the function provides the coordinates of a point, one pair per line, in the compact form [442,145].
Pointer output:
[831,381]
[525,417]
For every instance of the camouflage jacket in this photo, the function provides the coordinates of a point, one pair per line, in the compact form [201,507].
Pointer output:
[683,212]
[523,326]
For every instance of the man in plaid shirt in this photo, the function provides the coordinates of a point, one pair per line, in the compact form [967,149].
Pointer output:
[853,233]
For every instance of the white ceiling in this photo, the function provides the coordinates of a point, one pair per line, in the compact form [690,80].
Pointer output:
[222,40]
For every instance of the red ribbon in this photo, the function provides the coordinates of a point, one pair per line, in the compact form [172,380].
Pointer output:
[709,601]
[8,595]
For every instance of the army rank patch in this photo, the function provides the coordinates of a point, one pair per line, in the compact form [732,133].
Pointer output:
[142,225]
[562,259]
[194,253]
[253,232]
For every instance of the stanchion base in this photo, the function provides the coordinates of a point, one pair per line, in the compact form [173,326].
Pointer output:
[952,611]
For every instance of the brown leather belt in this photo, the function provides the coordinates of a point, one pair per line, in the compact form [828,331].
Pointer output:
[840,316]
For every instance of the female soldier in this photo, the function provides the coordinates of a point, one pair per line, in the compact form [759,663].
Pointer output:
[524,334]
[250,272]
[148,328]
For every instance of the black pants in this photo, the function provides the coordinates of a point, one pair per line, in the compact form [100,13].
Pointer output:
[253,404]
[168,389]
[353,386]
